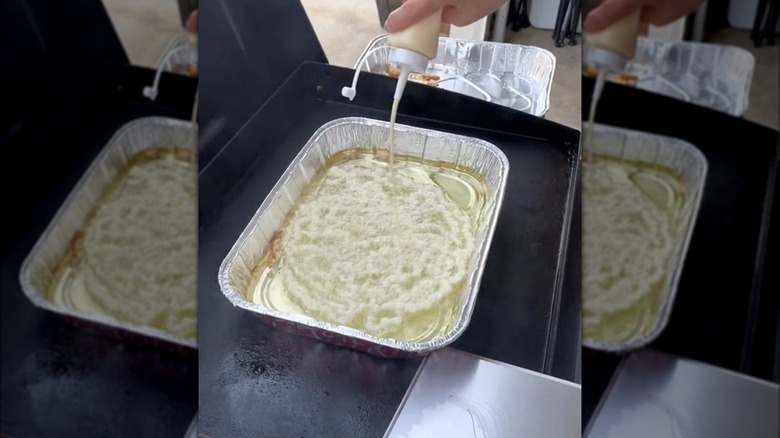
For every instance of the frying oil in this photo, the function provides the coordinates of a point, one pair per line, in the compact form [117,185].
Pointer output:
[608,271]
[628,244]
[624,325]
[460,186]
[133,259]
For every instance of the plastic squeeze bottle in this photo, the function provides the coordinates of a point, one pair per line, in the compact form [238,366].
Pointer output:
[412,48]
[609,50]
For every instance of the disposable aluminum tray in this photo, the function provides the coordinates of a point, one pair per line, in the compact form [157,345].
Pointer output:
[690,164]
[710,75]
[38,268]
[515,76]
[236,271]
[181,56]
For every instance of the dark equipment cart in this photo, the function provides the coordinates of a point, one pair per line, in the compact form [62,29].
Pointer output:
[726,309]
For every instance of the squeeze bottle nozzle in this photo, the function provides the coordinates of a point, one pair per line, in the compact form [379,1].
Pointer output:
[410,49]
[409,61]
[401,84]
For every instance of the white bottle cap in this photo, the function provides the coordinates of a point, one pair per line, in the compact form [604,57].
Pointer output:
[607,60]
[417,62]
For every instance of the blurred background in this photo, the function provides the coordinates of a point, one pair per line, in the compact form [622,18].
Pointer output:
[146,28]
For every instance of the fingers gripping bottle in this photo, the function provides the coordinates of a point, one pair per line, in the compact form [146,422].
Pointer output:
[412,48]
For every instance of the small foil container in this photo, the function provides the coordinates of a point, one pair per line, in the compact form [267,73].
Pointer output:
[39,267]
[689,163]
[710,75]
[511,75]
[181,56]
[236,271]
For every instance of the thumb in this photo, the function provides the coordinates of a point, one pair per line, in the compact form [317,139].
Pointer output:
[410,12]
[192,22]
[609,12]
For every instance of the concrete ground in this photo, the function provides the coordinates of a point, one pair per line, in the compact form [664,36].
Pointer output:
[146,27]
[764,99]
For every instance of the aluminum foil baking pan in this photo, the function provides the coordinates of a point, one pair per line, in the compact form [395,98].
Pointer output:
[38,268]
[236,271]
[515,76]
[181,56]
[710,75]
[690,164]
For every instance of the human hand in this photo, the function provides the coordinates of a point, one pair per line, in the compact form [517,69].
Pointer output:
[655,12]
[192,22]
[457,12]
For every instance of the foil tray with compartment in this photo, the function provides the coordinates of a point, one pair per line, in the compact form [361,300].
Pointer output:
[39,267]
[236,271]
[710,75]
[512,75]
[683,159]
